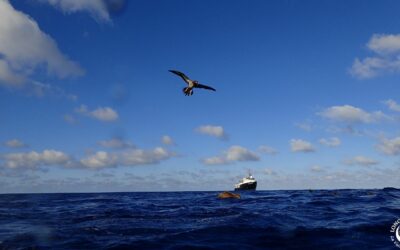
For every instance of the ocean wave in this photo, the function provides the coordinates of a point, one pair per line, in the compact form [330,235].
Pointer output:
[330,219]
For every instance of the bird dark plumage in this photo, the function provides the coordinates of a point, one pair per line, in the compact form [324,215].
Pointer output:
[184,77]
[191,83]
[201,86]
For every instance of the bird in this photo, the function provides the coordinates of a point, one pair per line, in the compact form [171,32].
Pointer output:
[188,91]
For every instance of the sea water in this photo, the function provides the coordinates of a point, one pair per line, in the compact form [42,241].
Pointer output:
[306,219]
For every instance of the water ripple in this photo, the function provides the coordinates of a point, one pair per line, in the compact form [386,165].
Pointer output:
[334,219]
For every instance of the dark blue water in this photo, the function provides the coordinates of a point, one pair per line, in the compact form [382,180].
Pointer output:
[341,219]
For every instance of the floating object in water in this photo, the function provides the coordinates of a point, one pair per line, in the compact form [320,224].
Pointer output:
[227,195]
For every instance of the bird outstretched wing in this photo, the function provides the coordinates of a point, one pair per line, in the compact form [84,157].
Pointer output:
[201,86]
[184,77]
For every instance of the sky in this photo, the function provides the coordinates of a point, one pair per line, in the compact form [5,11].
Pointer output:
[307,95]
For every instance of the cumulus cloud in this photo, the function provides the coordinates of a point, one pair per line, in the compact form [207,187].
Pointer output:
[392,105]
[384,44]
[35,159]
[15,143]
[361,161]
[350,114]
[24,47]
[105,114]
[369,67]
[167,140]
[216,131]
[233,154]
[139,156]
[389,146]
[386,58]
[97,160]
[267,150]
[117,143]
[299,145]
[330,142]
[96,8]
[130,157]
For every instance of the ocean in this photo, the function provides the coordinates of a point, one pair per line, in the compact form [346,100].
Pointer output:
[304,219]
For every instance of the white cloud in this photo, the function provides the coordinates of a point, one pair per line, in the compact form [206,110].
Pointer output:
[298,145]
[38,89]
[70,119]
[15,143]
[8,77]
[238,153]
[82,109]
[304,126]
[316,168]
[369,67]
[129,157]
[392,105]
[387,50]
[269,171]
[167,140]
[347,129]
[96,8]
[207,178]
[216,131]
[135,157]
[215,160]
[350,114]
[35,159]
[267,150]
[330,142]
[384,44]
[106,114]
[115,143]
[97,160]
[24,48]
[72,97]
[361,160]
[390,146]
[32,87]
[233,154]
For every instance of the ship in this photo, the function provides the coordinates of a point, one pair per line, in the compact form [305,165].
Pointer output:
[247,183]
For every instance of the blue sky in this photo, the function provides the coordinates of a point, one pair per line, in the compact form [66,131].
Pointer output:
[307,95]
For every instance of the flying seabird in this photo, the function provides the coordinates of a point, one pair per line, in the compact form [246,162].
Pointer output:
[191,83]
